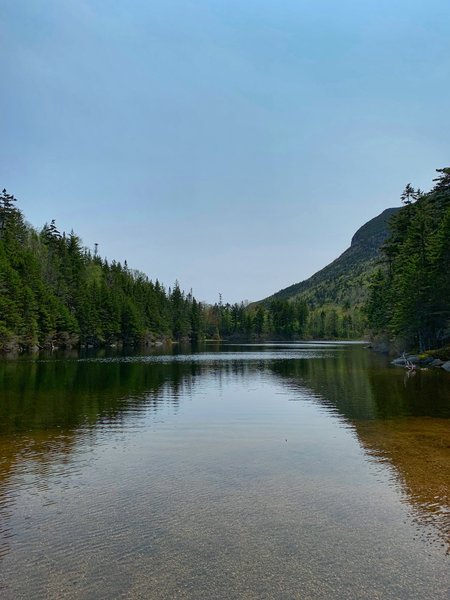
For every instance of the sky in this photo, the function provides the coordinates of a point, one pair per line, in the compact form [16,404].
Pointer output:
[232,145]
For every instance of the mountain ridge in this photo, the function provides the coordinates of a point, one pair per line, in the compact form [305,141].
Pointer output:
[343,282]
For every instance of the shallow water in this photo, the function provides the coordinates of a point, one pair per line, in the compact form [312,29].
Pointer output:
[278,471]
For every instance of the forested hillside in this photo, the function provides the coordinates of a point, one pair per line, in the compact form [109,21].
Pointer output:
[336,294]
[394,280]
[55,292]
[409,302]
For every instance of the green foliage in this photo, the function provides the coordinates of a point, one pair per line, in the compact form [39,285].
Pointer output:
[282,319]
[53,292]
[335,295]
[410,294]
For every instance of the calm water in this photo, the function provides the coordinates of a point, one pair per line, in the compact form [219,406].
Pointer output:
[238,472]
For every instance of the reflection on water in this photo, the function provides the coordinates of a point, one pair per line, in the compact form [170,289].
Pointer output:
[400,421]
[284,471]
[419,451]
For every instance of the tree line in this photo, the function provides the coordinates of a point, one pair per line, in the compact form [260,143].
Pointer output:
[409,301]
[54,292]
[286,319]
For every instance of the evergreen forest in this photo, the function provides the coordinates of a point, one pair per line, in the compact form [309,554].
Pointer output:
[409,302]
[392,284]
[55,293]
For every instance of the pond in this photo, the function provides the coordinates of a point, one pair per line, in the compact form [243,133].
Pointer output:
[251,471]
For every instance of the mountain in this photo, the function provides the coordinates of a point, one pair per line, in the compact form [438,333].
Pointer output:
[343,283]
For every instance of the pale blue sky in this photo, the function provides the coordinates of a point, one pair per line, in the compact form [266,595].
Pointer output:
[234,145]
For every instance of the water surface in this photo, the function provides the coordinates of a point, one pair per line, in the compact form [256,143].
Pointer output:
[253,471]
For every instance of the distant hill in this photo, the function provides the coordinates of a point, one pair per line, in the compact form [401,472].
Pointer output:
[343,283]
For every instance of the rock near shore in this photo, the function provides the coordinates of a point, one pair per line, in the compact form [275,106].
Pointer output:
[421,361]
